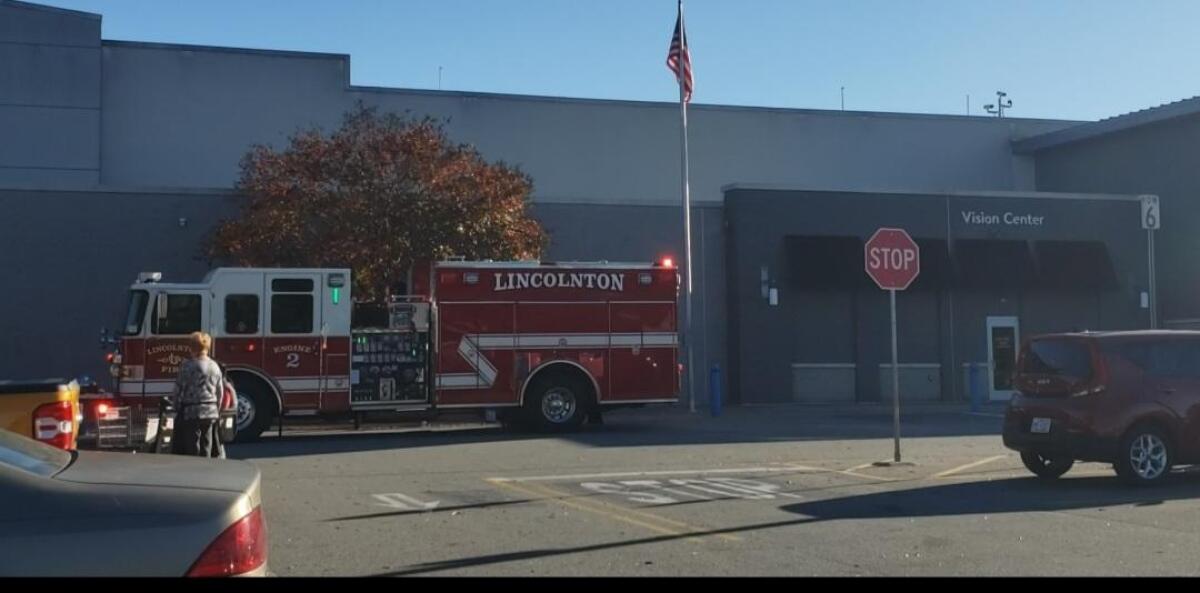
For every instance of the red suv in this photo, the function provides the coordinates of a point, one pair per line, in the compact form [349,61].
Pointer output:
[1127,398]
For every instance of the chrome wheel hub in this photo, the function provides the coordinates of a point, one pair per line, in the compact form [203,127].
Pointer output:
[245,412]
[1148,456]
[558,405]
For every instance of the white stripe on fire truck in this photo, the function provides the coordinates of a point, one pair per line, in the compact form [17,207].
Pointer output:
[485,372]
[312,383]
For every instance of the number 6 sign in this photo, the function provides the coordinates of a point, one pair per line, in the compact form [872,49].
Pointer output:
[1151,219]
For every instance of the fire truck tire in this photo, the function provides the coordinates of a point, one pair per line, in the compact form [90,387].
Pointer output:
[557,401]
[256,409]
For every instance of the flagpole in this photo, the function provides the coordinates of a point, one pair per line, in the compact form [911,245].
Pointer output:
[687,220]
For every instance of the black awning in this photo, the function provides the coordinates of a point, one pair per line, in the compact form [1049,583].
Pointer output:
[824,263]
[992,264]
[935,265]
[1074,265]
[838,263]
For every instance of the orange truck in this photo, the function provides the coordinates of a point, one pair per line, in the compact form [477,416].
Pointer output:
[45,410]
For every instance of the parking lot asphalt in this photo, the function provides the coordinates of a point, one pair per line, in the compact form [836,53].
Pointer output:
[782,490]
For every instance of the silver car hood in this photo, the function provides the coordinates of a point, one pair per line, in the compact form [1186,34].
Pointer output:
[166,471]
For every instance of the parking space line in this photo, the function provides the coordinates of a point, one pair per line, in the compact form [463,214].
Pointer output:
[968,466]
[624,514]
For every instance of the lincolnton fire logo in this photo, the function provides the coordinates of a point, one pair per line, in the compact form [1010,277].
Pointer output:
[610,281]
[169,357]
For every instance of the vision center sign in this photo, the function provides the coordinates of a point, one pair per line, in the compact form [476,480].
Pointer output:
[1011,219]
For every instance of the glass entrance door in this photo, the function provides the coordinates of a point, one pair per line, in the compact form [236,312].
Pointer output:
[1003,336]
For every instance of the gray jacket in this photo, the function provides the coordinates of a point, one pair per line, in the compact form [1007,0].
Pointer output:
[198,390]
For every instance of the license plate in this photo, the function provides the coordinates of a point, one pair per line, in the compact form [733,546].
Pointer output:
[1040,426]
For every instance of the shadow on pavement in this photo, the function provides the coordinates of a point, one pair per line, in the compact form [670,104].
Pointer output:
[996,497]
[655,427]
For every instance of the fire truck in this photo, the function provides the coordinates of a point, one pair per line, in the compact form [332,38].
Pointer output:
[542,344]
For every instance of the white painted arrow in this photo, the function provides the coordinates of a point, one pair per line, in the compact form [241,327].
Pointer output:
[404,502]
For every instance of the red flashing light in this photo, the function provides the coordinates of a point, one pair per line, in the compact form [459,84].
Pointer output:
[250,347]
[101,409]
[109,358]
[668,262]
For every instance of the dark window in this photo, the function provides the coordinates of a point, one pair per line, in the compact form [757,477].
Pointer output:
[1074,266]
[292,285]
[241,314]
[1175,359]
[136,313]
[291,314]
[1162,358]
[824,263]
[1062,358]
[183,315]
[992,264]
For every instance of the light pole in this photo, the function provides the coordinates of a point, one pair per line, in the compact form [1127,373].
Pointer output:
[1001,104]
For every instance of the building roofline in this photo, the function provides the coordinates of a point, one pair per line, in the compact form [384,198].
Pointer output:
[222,49]
[68,188]
[562,99]
[693,107]
[1087,131]
[953,194]
[50,9]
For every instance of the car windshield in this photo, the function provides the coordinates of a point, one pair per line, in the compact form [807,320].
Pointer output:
[1068,358]
[136,313]
[28,455]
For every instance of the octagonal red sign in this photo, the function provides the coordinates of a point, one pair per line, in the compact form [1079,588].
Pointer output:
[893,259]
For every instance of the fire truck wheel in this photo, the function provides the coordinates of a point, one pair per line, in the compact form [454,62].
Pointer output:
[255,411]
[558,402]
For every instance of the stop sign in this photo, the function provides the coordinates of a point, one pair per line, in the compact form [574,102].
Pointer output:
[893,259]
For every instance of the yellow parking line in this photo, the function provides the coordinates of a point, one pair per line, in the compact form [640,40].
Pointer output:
[968,466]
[619,513]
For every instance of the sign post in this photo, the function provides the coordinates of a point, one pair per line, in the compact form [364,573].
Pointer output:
[1151,221]
[893,261]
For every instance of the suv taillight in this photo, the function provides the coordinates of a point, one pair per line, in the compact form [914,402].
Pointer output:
[238,550]
[54,424]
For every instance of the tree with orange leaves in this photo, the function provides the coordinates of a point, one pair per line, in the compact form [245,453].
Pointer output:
[377,195]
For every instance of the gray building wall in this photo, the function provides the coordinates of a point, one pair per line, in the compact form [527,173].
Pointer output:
[184,116]
[69,258]
[49,95]
[942,326]
[1160,159]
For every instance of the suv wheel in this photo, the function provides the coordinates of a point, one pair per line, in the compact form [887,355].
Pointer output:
[1048,468]
[1145,456]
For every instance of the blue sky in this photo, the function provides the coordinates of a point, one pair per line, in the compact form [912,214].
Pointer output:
[1069,59]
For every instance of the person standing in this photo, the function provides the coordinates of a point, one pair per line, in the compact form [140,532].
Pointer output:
[197,397]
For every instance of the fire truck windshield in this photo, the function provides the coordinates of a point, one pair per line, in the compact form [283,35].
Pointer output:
[137,312]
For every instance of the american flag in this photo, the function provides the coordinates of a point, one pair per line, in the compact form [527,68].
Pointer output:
[680,53]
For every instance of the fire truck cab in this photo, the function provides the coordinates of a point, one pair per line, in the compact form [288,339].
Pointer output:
[546,343]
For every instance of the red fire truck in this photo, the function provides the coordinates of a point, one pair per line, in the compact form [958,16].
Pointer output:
[545,343]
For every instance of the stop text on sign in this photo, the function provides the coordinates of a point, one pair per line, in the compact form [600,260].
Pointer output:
[887,258]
